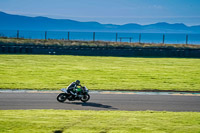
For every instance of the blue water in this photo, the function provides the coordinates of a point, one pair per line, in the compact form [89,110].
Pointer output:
[169,38]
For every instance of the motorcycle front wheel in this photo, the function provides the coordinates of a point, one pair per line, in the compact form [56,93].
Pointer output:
[85,98]
[62,97]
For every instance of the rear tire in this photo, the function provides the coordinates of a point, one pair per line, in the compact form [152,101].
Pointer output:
[62,97]
[85,98]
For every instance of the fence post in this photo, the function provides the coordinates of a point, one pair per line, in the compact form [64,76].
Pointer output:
[68,36]
[93,36]
[116,37]
[163,38]
[17,34]
[186,39]
[45,35]
[140,38]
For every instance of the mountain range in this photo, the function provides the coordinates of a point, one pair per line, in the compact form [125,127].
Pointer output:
[18,22]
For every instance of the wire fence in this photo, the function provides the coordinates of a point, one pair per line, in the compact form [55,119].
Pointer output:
[168,38]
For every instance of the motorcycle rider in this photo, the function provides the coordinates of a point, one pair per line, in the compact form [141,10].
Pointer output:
[72,88]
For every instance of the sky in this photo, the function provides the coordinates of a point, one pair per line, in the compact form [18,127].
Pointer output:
[109,11]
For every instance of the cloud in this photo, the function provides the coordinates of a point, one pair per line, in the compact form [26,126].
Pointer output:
[157,7]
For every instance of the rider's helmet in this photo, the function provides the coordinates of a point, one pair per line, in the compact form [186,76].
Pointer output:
[77,82]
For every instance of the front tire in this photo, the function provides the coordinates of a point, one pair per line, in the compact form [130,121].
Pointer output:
[85,98]
[62,97]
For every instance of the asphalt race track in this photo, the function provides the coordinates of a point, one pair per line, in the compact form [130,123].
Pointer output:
[98,101]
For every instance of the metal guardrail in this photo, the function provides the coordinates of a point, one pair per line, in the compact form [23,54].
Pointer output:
[101,51]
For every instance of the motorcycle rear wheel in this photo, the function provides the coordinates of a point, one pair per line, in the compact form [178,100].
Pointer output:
[62,97]
[85,98]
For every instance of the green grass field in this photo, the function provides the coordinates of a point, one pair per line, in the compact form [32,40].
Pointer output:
[99,73]
[50,121]
[27,121]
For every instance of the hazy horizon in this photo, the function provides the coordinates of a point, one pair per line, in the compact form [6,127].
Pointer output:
[118,12]
[96,21]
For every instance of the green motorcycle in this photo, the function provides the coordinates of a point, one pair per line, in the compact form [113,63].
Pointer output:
[82,94]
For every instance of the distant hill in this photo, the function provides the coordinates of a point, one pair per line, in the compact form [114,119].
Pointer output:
[18,22]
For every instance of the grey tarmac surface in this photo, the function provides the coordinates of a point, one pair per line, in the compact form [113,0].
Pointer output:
[100,101]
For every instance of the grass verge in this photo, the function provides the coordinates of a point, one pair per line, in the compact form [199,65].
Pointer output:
[21,41]
[27,121]
[99,73]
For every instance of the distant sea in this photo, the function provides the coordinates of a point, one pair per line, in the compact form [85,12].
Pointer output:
[169,38]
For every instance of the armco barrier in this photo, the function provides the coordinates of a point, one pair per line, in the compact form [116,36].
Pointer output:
[101,51]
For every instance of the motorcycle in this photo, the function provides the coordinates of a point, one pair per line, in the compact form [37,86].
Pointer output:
[82,94]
